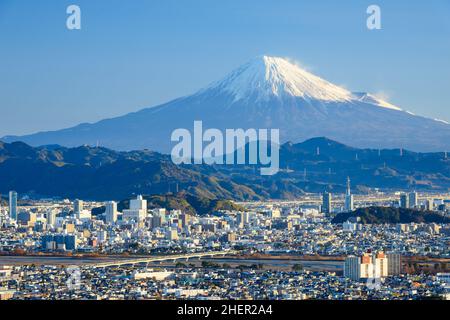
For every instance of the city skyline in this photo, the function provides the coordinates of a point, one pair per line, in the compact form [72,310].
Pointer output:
[225,158]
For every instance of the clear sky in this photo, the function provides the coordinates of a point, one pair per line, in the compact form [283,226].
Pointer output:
[140,53]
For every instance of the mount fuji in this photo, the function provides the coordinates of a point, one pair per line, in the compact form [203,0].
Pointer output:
[267,92]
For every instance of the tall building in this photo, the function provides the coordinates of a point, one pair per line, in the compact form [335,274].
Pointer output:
[352,268]
[77,206]
[394,263]
[381,263]
[429,205]
[326,203]
[413,200]
[51,217]
[137,211]
[157,220]
[13,205]
[185,220]
[348,197]
[111,212]
[404,201]
[172,234]
[242,219]
[366,267]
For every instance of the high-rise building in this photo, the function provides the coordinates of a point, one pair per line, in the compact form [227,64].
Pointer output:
[348,197]
[429,205]
[111,212]
[13,205]
[380,263]
[326,203]
[413,200]
[366,267]
[51,217]
[185,220]
[394,263]
[240,219]
[352,268]
[77,206]
[172,234]
[404,201]
[157,220]
[137,211]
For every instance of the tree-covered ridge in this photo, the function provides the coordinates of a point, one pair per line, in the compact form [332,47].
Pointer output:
[382,215]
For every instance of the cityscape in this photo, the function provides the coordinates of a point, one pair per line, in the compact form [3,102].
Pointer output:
[276,250]
[205,159]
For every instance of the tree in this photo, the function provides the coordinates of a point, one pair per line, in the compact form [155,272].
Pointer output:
[297,267]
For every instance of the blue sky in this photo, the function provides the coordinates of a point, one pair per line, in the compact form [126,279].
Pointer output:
[135,54]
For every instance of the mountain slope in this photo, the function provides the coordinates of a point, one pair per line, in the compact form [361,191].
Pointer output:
[267,92]
[315,165]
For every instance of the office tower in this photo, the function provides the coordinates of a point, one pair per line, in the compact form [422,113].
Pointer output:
[111,212]
[137,211]
[138,204]
[404,201]
[157,220]
[348,197]
[70,241]
[394,263]
[352,268]
[48,242]
[243,219]
[413,200]
[172,234]
[13,205]
[326,203]
[51,217]
[381,263]
[185,220]
[240,220]
[77,206]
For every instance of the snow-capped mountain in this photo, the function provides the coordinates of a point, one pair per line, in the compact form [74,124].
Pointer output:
[266,77]
[267,92]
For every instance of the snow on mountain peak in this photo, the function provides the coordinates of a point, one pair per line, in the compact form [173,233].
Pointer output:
[265,77]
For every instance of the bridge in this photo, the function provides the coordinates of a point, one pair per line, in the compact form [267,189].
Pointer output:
[176,257]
